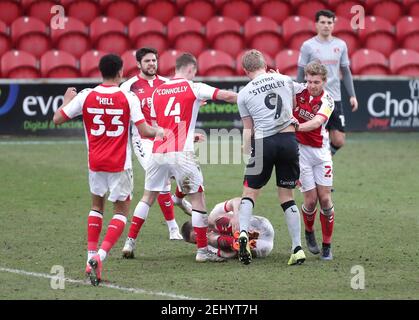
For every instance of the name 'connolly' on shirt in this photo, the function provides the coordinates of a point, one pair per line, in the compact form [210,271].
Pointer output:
[267,87]
[171,90]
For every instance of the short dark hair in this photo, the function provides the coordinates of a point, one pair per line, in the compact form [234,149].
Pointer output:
[186,231]
[110,65]
[325,13]
[140,53]
[184,60]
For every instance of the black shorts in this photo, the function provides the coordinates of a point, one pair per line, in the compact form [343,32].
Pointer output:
[279,151]
[337,118]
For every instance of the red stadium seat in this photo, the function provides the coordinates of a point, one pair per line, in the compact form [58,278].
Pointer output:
[10,10]
[404,62]
[19,64]
[270,62]
[239,10]
[263,34]
[224,34]
[89,64]
[5,42]
[412,7]
[201,10]
[274,9]
[84,10]
[130,63]
[286,62]
[162,10]
[185,34]
[308,9]
[122,10]
[215,63]
[59,64]
[369,62]
[407,32]
[167,62]
[73,38]
[390,10]
[30,34]
[378,34]
[40,9]
[343,8]
[147,32]
[108,34]
[344,31]
[296,30]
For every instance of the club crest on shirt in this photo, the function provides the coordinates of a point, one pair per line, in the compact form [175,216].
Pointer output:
[316,107]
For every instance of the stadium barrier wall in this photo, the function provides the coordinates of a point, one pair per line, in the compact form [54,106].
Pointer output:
[27,107]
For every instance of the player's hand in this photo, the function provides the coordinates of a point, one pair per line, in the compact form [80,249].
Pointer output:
[274,71]
[295,123]
[354,103]
[69,95]
[199,137]
[160,132]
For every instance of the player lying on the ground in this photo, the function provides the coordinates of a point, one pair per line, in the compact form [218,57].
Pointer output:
[223,231]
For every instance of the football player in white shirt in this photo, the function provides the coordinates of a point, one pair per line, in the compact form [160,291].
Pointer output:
[223,231]
[107,112]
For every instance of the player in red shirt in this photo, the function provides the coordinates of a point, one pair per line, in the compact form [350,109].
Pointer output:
[313,110]
[143,85]
[175,106]
[107,112]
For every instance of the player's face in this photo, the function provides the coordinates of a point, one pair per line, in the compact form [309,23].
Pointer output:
[314,85]
[148,65]
[325,26]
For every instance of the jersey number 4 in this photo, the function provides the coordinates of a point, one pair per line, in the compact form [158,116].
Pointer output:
[168,111]
[97,119]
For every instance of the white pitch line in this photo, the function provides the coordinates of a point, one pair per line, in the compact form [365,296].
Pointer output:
[29,142]
[106,285]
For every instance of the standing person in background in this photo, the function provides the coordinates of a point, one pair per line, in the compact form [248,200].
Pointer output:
[143,85]
[265,105]
[313,110]
[175,105]
[107,113]
[333,53]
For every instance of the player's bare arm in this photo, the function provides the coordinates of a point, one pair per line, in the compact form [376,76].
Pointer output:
[227,96]
[312,124]
[70,93]
[247,134]
[146,131]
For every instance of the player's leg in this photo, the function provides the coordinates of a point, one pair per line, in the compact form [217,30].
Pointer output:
[287,174]
[323,175]
[247,204]
[120,185]
[336,127]
[98,188]
[94,228]
[155,180]
[180,201]
[189,178]
[309,211]
[167,207]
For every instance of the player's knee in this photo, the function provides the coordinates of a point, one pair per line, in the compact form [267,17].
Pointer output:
[325,201]
[338,139]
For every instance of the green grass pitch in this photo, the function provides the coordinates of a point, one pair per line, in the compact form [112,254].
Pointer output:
[44,203]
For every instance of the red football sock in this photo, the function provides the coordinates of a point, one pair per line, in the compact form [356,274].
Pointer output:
[115,229]
[309,218]
[327,223]
[179,193]
[201,236]
[134,229]
[166,206]
[94,227]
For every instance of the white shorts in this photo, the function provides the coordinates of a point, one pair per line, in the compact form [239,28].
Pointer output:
[119,184]
[265,240]
[316,167]
[142,149]
[183,166]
